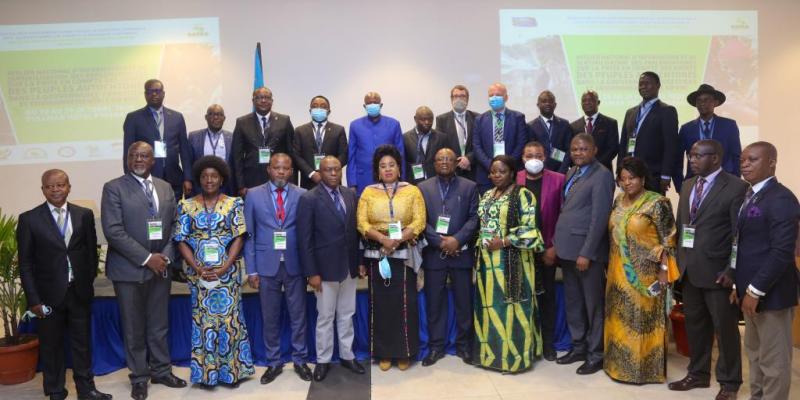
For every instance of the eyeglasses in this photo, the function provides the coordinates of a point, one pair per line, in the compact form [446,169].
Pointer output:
[698,155]
[260,98]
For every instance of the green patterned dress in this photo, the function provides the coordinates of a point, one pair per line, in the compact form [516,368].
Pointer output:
[508,338]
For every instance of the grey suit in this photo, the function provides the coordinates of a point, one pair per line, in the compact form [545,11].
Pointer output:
[143,296]
[582,231]
[708,311]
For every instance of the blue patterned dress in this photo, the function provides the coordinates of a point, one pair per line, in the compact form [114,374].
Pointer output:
[220,346]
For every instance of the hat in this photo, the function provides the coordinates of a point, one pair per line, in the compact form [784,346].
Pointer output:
[704,88]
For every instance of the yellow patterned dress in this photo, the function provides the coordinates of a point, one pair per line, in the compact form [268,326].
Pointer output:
[220,348]
[507,336]
[635,323]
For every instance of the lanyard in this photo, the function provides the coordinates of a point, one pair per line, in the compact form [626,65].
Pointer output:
[213,143]
[420,147]
[391,198]
[318,138]
[210,213]
[275,204]
[443,193]
[644,109]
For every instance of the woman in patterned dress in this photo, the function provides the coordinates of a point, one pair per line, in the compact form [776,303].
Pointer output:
[210,233]
[507,336]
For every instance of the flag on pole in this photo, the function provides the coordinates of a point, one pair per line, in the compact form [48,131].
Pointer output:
[258,76]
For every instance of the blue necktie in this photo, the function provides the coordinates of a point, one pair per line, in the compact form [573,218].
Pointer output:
[338,203]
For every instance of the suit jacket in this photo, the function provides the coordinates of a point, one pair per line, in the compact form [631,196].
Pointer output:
[43,255]
[657,140]
[724,131]
[334,143]
[124,217]
[606,137]
[582,227]
[447,123]
[197,143]
[327,241]
[362,144]
[260,255]
[559,138]
[437,141]
[247,139]
[515,134]
[549,203]
[714,223]
[767,228]
[140,125]
[461,204]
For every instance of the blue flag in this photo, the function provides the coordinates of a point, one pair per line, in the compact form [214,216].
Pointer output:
[258,75]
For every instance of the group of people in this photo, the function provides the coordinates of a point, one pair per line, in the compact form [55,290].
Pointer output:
[486,204]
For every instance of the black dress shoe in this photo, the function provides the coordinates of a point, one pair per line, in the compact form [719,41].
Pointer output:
[464,356]
[303,372]
[571,357]
[432,358]
[169,380]
[321,371]
[270,374]
[549,354]
[353,365]
[590,367]
[94,394]
[59,396]
[139,391]
[687,383]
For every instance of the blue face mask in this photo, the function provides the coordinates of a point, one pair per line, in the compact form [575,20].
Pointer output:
[497,103]
[373,110]
[319,114]
[384,269]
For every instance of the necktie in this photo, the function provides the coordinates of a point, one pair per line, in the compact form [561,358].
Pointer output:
[549,128]
[589,126]
[498,128]
[264,125]
[318,137]
[698,197]
[281,210]
[160,123]
[60,221]
[420,149]
[706,130]
[336,201]
[151,201]
[573,181]
[747,197]
[461,130]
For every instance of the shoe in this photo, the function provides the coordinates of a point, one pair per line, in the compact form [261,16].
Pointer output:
[233,385]
[384,364]
[590,367]
[169,380]
[59,396]
[94,394]
[403,364]
[352,365]
[303,371]
[725,395]
[432,358]
[464,356]
[688,383]
[571,357]
[270,374]
[139,391]
[321,371]
[549,354]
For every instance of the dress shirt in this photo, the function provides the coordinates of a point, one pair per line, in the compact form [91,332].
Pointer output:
[757,188]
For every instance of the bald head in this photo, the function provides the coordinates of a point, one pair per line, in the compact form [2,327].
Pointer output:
[215,117]
[424,119]
[445,162]
[758,162]
[498,89]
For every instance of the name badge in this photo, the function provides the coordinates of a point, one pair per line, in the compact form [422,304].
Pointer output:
[211,253]
[631,145]
[734,250]
[264,154]
[154,230]
[159,149]
[419,173]
[317,160]
[279,240]
[557,155]
[395,230]
[687,237]
[499,149]
[442,224]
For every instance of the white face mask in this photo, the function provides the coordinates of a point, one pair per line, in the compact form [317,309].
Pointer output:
[209,284]
[534,166]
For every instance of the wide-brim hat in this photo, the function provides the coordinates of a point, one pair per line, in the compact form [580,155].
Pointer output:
[705,88]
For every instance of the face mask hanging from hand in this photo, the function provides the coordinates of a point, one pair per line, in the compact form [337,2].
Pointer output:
[384,268]
[534,166]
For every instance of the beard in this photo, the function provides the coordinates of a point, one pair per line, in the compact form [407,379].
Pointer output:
[280,183]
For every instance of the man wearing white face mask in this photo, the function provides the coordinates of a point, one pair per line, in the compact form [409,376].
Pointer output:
[317,139]
[548,187]
[461,123]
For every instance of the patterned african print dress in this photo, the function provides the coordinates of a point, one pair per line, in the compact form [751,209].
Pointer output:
[507,336]
[220,346]
[635,324]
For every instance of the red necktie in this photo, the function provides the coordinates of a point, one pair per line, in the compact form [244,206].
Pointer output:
[281,210]
[589,126]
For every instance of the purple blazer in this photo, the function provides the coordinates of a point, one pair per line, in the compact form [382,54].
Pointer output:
[550,202]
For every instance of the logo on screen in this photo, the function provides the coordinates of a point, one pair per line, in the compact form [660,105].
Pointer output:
[524,22]
[740,24]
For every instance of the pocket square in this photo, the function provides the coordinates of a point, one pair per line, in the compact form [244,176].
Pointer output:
[753,212]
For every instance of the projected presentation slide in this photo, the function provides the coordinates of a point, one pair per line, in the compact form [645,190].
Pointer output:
[66,88]
[571,51]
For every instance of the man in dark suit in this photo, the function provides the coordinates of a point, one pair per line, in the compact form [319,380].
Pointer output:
[460,122]
[708,126]
[765,274]
[650,132]
[271,256]
[554,132]
[256,137]
[707,212]
[328,245]
[212,141]
[165,131]
[138,212]
[57,252]
[497,131]
[581,242]
[451,204]
[421,145]
[317,139]
[602,128]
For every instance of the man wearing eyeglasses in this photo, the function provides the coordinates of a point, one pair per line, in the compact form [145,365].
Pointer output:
[165,130]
